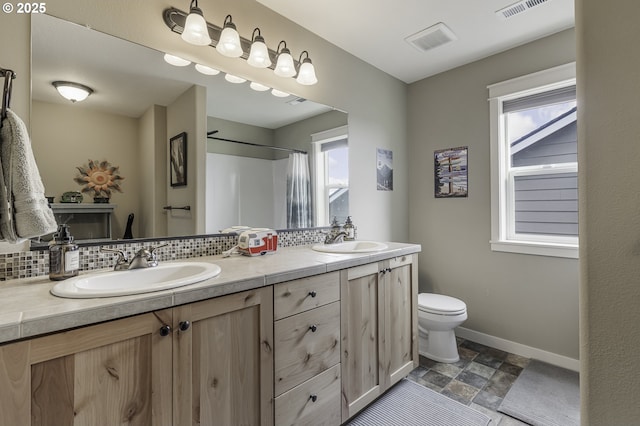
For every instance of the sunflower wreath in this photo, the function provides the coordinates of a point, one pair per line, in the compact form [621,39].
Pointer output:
[99,177]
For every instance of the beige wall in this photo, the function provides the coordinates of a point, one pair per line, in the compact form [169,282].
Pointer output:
[298,135]
[152,220]
[240,132]
[376,117]
[609,147]
[188,114]
[530,300]
[64,137]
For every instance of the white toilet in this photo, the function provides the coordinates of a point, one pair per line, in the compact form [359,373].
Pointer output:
[438,315]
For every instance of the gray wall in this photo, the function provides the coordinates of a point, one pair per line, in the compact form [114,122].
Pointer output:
[609,153]
[530,300]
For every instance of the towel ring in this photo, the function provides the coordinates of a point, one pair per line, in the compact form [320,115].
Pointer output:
[8,75]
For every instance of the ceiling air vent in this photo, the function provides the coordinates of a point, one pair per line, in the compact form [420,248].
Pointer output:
[432,37]
[518,8]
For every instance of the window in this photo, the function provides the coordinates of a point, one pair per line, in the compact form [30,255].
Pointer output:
[534,164]
[331,175]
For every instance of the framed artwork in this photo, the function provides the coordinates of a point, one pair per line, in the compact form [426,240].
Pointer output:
[178,159]
[384,169]
[450,172]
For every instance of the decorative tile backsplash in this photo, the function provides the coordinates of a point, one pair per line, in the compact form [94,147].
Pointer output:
[34,263]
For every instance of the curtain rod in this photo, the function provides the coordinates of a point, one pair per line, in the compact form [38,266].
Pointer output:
[213,132]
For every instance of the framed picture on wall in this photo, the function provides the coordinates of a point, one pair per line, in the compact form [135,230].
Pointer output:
[450,172]
[178,159]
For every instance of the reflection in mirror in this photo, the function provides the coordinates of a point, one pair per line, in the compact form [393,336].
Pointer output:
[139,103]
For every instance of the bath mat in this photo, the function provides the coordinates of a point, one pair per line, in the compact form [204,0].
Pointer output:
[409,404]
[544,395]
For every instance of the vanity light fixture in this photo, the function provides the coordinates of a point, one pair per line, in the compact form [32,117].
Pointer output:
[258,87]
[229,43]
[75,92]
[284,62]
[195,27]
[175,60]
[234,79]
[259,53]
[206,70]
[306,73]
[280,93]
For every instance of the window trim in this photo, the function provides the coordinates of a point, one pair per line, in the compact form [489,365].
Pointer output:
[501,240]
[320,188]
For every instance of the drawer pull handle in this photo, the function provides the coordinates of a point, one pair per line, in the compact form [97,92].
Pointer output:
[312,294]
[313,328]
[165,330]
[184,325]
[313,398]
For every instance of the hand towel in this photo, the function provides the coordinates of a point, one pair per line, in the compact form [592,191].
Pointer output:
[24,211]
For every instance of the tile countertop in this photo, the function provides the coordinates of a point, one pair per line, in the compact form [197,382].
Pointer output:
[28,309]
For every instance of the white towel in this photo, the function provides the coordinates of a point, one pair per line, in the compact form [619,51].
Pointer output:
[24,211]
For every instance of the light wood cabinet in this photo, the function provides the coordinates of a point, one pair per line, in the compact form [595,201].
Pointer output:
[223,361]
[379,326]
[209,362]
[112,373]
[307,351]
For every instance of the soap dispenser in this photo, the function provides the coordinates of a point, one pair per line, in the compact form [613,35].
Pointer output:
[349,229]
[64,255]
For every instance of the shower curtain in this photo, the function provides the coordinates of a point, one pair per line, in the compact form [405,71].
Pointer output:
[298,191]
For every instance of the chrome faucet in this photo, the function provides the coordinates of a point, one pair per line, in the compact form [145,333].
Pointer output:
[336,234]
[144,258]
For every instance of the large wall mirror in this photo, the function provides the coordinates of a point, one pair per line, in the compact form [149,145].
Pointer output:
[137,106]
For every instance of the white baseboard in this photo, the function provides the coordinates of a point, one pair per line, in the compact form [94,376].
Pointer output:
[518,348]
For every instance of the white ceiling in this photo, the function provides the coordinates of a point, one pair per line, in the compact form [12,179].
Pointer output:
[374,31]
[128,78]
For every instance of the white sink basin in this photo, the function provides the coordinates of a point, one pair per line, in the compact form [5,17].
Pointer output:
[351,247]
[135,281]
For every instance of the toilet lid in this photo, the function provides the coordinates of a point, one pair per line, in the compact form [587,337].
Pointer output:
[439,303]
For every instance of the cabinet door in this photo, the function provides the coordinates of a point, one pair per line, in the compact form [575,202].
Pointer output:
[361,309]
[112,373]
[223,360]
[400,319]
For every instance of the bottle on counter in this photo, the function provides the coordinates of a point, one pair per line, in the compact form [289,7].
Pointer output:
[349,229]
[64,255]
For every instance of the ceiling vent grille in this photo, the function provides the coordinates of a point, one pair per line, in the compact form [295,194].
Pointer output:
[518,8]
[432,37]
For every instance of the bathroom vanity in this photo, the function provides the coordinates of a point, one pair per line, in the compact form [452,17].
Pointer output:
[296,337]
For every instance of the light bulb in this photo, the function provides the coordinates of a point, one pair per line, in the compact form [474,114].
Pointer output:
[279,93]
[195,28]
[258,87]
[229,43]
[234,79]
[284,64]
[176,60]
[307,73]
[206,70]
[259,53]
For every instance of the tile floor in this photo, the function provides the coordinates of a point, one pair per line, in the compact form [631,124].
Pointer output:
[480,379]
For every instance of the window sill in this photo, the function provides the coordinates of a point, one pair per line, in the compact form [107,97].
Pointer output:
[537,249]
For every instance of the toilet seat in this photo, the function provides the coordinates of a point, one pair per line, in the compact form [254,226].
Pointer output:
[440,304]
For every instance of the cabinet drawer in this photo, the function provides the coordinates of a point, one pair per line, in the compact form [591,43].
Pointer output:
[293,297]
[314,402]
[300,352]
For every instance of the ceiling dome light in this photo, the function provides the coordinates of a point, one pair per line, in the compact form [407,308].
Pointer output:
[280,93]
[195,27]
[176,60]
[259,87]
[206,70]
[259,54]
[306,73]
[74,92]
[229,43]
[284,63]
[234,79]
